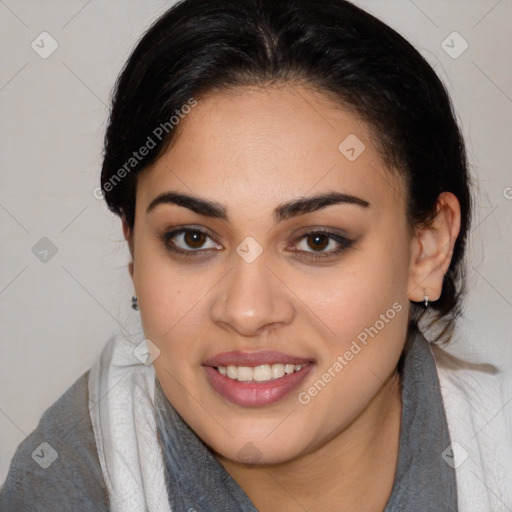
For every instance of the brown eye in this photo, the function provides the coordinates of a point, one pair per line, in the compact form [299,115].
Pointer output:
[318,241]
[189,242]
[312,245]
[194,239]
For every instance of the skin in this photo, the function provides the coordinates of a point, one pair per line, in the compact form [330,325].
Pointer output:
[251,149]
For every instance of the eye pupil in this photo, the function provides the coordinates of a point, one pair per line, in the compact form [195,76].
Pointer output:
[194,238]
[316,237]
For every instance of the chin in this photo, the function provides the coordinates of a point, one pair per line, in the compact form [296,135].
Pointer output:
[258,452]
[269,445]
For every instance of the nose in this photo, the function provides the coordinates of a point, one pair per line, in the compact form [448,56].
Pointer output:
[252,299]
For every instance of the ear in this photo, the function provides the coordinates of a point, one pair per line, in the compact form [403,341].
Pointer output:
[432,249]
[128,235]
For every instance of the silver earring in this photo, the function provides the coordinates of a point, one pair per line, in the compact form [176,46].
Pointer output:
[425,300]
[135,304]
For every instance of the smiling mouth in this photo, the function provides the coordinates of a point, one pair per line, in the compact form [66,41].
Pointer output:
[257,386]
[260,373]
[258,378]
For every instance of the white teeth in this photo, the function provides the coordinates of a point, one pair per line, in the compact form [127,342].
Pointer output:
[244,373]
[261,373]
[231,371]
[277,371]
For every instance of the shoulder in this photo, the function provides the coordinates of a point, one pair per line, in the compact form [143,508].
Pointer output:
[483,385]
[481,391]
[57,467]
[478,403]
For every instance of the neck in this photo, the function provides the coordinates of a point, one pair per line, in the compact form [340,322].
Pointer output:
[353,471]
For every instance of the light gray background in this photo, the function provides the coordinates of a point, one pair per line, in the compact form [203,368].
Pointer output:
[57,315]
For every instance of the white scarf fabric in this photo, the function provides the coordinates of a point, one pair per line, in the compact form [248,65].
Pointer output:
[121,396]
[478,407]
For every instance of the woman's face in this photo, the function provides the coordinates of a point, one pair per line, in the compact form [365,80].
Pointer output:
[266,281]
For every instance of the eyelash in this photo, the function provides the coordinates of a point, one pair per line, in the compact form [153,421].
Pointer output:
[344,243]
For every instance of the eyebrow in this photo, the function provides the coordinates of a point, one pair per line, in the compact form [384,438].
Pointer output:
[284,211]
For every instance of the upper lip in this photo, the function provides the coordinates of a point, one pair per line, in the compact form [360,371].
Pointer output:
[240,358]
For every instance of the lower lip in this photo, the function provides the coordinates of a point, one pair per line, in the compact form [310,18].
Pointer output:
[255,394]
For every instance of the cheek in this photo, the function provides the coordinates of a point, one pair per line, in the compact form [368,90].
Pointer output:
[354,295]
[366,310]
[171,298]
[172,316]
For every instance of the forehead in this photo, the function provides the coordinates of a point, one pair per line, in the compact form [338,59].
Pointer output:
[257,146]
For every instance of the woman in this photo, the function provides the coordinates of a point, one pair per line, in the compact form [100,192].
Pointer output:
[293,188]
